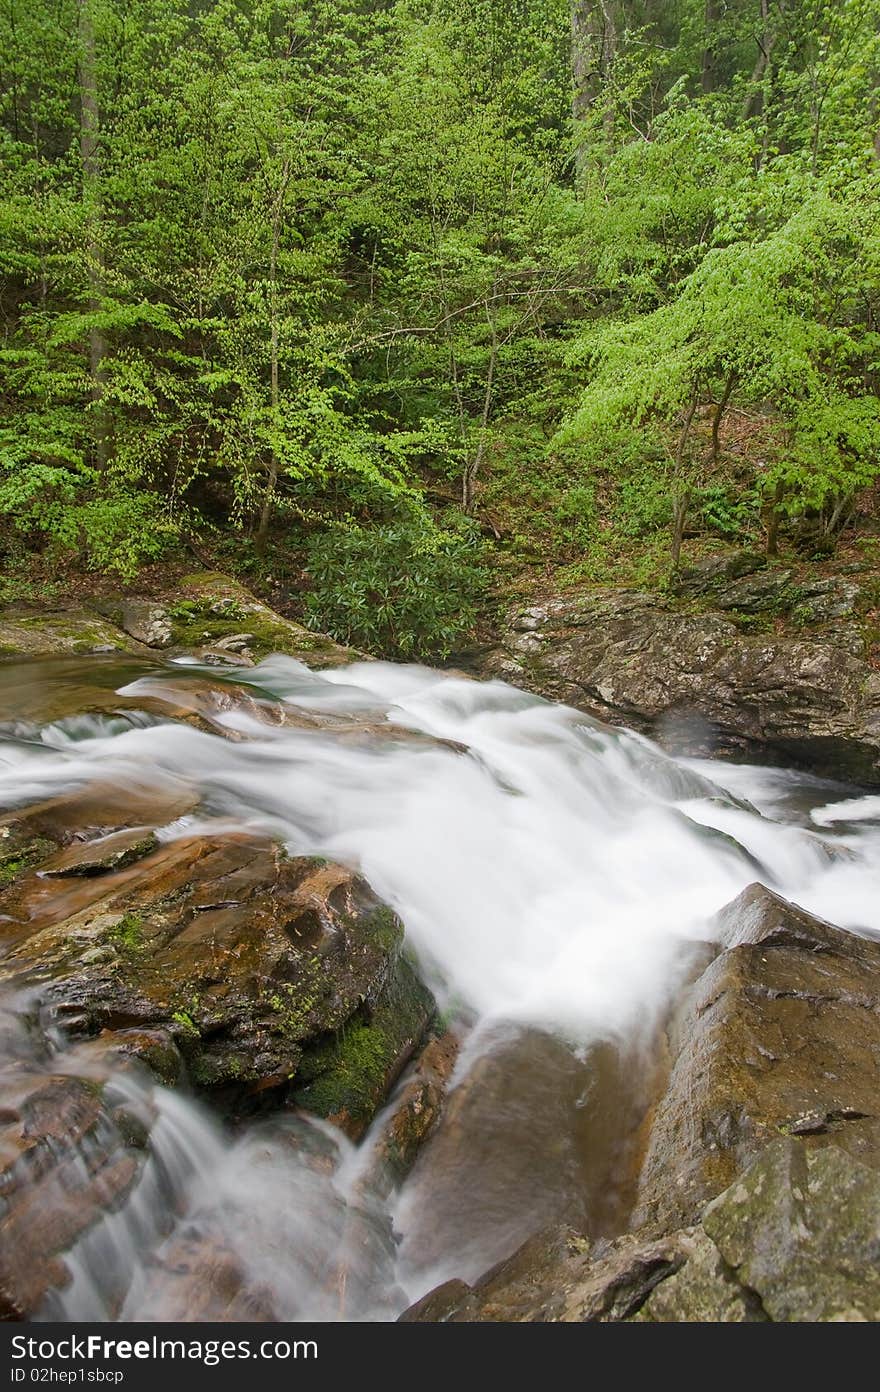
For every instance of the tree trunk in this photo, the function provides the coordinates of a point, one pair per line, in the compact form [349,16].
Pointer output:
[681,496]
[709,61]
[719,415]
[472,468]
[754,101]
[90,155]
[593,48]
[774,520]
[274,337]
[680,504]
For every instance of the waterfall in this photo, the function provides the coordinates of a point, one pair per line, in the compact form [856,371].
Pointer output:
[557,879]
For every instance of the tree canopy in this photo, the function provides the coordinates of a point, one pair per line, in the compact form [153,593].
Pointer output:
[537,276]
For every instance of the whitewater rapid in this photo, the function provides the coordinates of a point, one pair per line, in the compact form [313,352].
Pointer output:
[554,876]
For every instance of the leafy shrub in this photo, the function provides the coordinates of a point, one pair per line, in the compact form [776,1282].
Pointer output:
[644,502]
[575,514]
[73,510]
[408,590]
[730,510]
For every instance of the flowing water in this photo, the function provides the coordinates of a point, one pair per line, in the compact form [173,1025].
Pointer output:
[558,881]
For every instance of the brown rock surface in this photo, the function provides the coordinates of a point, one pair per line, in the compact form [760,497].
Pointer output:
[645,661]
[780,1035]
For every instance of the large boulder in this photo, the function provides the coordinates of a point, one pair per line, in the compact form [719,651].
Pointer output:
[65,630]
[795,1239]
[759,1192]
[268,971]
[779,1036]
[700,680]
[209,615]
[218,618]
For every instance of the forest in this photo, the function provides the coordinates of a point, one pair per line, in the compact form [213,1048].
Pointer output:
[394,301]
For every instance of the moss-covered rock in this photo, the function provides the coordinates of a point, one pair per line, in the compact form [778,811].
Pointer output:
[265,970]
[214,613]
[71,631]
[346,1076]
[417,1108]
[209,615]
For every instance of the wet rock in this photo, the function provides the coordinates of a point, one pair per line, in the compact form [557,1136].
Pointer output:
[103,855]
[415,1112]
[21,848]
[147,622]
[347,1076]
[63,854]
[700,681]
[64,1161]
[532,1135]
[780,1035]
[263,969]
[198,1277]
[795,1238]
[99,809]
[560,1277]
[155,1049]
[443,1303]
[801,1229]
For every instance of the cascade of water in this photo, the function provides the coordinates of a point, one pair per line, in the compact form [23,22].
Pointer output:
[555,877]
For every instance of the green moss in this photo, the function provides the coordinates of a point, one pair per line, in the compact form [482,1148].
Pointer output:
[351,1070]
[186,1023]
[217,610]
[293,1004]
[10,869]
[128,933]
[21,854]
[207,1070]
[386,930]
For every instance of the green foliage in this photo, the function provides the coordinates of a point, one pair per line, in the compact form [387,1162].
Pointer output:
[268,265]
[406,590]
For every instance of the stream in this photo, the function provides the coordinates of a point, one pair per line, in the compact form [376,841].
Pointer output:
[558,881]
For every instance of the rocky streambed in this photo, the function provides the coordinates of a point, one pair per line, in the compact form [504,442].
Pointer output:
[739,659]
[344,993]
